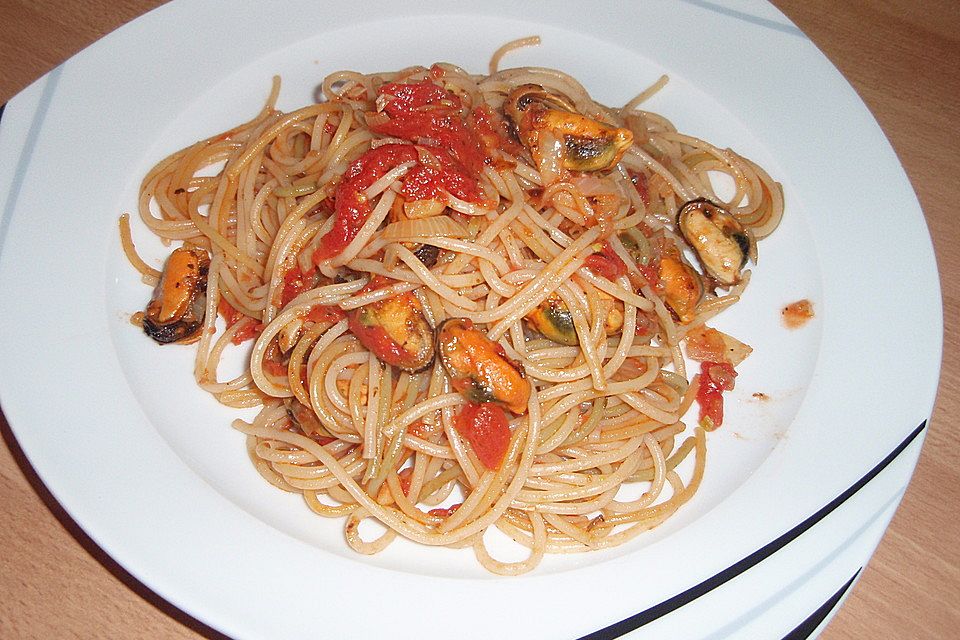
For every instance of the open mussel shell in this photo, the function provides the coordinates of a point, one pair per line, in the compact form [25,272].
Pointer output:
[721,243]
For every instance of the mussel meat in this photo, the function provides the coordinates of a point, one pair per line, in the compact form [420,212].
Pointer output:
[588,144]
[176,310]
[396,331]
[719,240]
[479,368]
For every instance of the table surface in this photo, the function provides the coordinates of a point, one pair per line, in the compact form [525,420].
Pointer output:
[904,61]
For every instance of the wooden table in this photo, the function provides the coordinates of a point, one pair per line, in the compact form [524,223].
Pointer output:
[903,59]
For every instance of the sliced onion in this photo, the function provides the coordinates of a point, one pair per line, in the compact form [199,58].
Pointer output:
[416,209]
[433,227]
[644,250]
[379,142]
[425,156]
[675,380]
[591,185]
[382,101]
[427,142]
[376,119]
[550,162]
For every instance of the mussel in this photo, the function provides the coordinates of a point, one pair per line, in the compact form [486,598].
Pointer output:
[588,144]
[721,243]
[304,418]
[681,285]
[479,368]
[396,331]
[552,319]
[175,312]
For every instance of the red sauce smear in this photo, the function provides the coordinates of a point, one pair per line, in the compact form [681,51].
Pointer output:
[405,477]
[639,181]
[646,324]
[715,378]
[485,427]
[445,512]
[228,313]
[321,440]
[247,332]
[325,313]
[232,317]
[651,272]
[274,368]
[418,429]
[797,314]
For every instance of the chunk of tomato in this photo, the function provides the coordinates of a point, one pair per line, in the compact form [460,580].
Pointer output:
[715,378]
[606,263]
[484,425]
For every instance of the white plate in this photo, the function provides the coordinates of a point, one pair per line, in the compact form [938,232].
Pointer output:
[149,467]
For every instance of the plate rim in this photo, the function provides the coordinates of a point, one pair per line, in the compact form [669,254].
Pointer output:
[18,423]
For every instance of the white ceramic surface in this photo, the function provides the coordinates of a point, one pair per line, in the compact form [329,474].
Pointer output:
[149,467]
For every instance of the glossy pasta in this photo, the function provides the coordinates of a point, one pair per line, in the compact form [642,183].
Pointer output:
[468,297]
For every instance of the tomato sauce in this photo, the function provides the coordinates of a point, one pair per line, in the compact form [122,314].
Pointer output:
[639,181]
[228,313]
[430,116]
[606,263]
[485,427]
[275,368]
[646,324]
[352,207]
[325,313]
[405,477]
[248,332]
[651,272]
[425,112]
[430,182]
[296,282]
[231,316]
[421,429]
[442,512]
[715,378]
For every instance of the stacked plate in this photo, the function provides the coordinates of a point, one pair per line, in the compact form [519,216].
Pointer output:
[823,429]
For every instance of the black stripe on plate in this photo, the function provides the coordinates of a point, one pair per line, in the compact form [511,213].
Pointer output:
[806,628]
[2,107]
[686,597]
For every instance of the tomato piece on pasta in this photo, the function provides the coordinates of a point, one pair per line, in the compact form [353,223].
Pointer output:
[606,263]
[484,425]
[715,378]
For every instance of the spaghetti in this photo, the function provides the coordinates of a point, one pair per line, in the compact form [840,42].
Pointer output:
[468,296]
